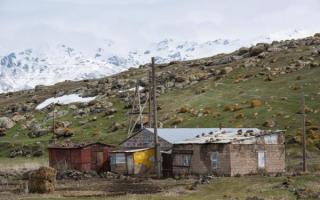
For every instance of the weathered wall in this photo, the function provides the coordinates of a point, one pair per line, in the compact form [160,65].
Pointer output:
[244,158]
[82,159]
[200,159]
[234,159]
[145,139]
[120,168]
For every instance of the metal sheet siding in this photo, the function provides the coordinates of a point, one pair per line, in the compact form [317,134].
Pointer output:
[82,159]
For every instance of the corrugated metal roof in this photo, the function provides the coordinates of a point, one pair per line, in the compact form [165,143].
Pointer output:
[130,150]
[242,136]
[71,145]
[174,135]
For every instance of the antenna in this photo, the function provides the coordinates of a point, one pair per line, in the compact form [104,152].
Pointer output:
[136,115]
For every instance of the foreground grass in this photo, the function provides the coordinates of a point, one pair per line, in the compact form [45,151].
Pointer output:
[20,163]
[222,188]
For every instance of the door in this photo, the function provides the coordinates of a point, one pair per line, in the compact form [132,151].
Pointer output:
[166,164]
[130,164]
[261,160]
[99,159]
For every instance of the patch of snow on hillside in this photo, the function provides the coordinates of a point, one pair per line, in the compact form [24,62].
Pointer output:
[66,99]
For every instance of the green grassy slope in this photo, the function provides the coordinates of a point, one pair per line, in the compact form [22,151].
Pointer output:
[205,104]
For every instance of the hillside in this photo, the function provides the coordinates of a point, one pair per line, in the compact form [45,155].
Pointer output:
[260,86]
[49,64]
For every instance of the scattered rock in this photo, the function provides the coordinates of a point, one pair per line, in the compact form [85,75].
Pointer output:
[254,103]
[226,70]
[239,115]
[115,126]
[269,124]
[17,118]
[110,111]
[6,122]
[180,79]
[256,50]
[232,107]
[183,110]
[177,121]
[63,132]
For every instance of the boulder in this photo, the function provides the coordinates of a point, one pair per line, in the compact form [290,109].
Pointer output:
[180,79]
[232,107]
[62,124]
[243,50]
[63,132]
[110,111]
[17,118]
[269,124]
[115,126]
[183,110]
[256,103]
[226,70]
[177,121]
[256,50]
[6,122]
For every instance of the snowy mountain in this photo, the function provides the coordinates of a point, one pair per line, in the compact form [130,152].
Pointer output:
[46,66]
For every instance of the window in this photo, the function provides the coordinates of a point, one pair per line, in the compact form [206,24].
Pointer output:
[261,159]
[186,160]
[183,160]
[118,158]
[214,158]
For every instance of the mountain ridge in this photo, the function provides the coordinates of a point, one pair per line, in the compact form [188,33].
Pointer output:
[28,68]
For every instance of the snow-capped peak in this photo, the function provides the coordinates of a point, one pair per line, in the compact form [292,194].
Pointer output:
[49,65]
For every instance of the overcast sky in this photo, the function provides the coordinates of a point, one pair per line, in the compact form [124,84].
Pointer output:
[134,23]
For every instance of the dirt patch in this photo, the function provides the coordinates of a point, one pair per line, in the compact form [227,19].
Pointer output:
[126,187]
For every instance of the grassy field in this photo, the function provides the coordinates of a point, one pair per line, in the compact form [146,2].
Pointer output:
[223,188]
[280,104]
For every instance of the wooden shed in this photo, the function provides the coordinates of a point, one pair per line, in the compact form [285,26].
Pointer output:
[132,162]
[82,157]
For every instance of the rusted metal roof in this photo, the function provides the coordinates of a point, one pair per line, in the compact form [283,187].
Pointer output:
[239,136]
[174,135]
[71,145]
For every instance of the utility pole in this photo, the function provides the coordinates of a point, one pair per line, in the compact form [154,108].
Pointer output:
[54,121]
[155,124]
[304,145]
[150,99]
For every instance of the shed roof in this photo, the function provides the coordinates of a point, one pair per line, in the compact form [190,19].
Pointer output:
[130,150]
[71,145]
[175,135]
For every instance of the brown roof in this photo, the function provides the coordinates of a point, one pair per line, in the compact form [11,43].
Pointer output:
[71,145]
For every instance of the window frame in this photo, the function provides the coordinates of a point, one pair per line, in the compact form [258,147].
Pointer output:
[115,159]
[182,160]
[214,160]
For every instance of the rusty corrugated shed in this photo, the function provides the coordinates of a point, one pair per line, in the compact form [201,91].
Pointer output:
[82,157]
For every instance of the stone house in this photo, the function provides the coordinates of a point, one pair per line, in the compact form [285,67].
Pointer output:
[230,153]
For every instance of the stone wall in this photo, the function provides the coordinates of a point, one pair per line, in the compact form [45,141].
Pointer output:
[200,159]
[233,159]
[244,158]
